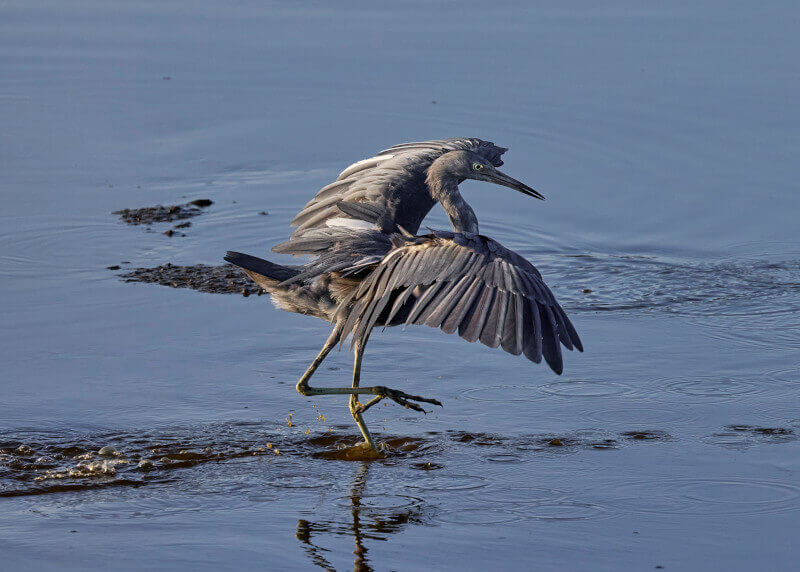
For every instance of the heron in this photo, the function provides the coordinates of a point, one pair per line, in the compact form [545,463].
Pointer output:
[369,267]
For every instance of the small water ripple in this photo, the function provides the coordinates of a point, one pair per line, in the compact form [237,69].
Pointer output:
[619,282]
[714,387]
[720,496]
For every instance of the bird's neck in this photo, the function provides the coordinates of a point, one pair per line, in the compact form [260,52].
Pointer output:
[444,190]
[462,217]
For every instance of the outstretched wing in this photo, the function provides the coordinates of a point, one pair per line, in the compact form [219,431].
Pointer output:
[469,283]
[394,179]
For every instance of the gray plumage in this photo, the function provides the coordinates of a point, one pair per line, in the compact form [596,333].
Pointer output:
[453,281]
[370,269]
[395,181]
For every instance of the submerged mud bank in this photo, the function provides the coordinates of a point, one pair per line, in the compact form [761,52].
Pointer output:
[161,213]
[41,463]
[223,279]
[213,279]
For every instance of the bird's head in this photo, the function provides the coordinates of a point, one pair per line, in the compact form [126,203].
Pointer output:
[462,165]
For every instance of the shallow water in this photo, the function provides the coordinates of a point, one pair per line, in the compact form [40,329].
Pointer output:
[665,140]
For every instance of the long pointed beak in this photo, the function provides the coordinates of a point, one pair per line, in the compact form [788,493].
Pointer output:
[500,178]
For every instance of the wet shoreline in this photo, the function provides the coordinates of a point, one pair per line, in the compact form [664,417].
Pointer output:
[44,464]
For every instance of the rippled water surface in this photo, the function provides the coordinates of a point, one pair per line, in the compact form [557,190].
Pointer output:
[146,427]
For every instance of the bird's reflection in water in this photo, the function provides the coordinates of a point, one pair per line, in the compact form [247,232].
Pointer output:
[366,522]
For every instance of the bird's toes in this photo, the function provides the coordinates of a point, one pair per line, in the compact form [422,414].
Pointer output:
[414,406]
[406,400]
[424,399]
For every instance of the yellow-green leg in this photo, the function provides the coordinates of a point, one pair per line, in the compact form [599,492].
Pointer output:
[357,409]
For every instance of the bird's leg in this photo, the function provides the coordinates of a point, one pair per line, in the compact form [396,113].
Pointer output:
[399,397]
[302,385]
[362,407]
[356,409]
[380,392]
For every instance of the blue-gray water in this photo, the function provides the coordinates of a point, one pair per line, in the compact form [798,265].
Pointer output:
[666,141]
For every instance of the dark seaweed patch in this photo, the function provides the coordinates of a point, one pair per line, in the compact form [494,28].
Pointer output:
[161,213]
[224,279]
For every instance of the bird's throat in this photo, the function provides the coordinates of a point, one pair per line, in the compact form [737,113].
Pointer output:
[462,217]
[444,190]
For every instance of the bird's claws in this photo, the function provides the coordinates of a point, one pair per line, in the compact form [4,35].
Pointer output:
[405,399]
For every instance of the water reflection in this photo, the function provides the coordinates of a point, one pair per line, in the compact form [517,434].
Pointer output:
[371,517]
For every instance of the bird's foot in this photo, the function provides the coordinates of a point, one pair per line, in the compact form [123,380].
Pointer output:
[399,397]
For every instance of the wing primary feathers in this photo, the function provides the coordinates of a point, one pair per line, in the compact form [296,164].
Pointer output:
[434,304]
[569,329]
[531,288]
[371,280]
[532,347]
[463,306]
[428,266]
[488,273]
[454,254]
[493,328]
[519,323]
[358,306]
[482,306]
[509,342]
[413,268]
[442,311]
[423,300]
[551,349]
[508,278]
[400,272]
[563,334]
[376,312]
[399,303]
[374,297]
[560,334]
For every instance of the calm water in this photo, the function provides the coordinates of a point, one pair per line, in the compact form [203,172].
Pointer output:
[666,140]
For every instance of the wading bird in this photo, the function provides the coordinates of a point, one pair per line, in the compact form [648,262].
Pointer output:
[369,267]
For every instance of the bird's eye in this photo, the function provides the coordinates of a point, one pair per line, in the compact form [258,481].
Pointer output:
[477,167]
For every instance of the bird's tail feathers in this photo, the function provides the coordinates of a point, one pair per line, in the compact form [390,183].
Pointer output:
[266,274]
